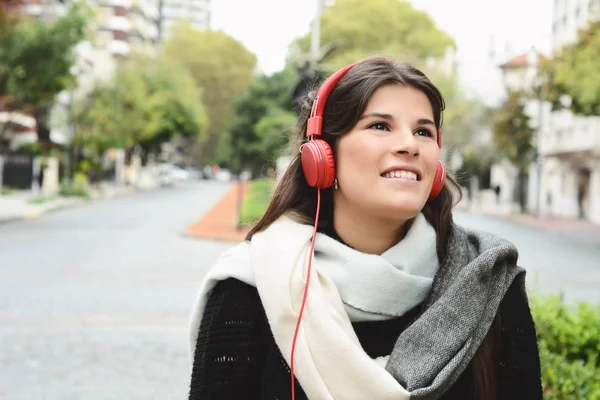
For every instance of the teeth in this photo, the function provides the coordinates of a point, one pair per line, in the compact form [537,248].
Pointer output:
[401,174]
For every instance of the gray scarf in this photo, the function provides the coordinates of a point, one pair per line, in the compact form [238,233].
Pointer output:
[431,354]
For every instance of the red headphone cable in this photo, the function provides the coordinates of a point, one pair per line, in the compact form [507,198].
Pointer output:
[310,258]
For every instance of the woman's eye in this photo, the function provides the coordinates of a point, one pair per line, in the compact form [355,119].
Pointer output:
[424,132]
[379,126]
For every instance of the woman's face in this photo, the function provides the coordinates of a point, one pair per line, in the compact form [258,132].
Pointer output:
[387,162]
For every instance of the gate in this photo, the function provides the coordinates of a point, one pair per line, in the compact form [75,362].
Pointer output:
[18,170]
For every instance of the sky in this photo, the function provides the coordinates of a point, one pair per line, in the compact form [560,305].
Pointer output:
[511,27]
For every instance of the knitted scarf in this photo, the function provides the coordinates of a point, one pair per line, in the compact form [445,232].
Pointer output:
[348,286]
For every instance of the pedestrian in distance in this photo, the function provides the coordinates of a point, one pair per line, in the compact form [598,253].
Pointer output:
[356,283]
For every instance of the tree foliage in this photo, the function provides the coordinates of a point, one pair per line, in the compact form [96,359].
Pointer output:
[148,103]
[389,27]
[513,135]
[264,117]
[222,69]
[410,35]
[36,59]
[574,72]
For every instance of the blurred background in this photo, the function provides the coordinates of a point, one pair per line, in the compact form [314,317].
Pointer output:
[139,139]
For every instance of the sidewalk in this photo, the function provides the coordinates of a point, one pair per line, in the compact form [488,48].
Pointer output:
[582,230]
[220,222]
[29,204]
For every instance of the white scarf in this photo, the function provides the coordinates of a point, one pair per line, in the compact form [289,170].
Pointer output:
[345,286]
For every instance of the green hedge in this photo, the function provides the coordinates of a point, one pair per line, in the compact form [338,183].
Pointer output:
[569,342]
[256,201]
[79,187]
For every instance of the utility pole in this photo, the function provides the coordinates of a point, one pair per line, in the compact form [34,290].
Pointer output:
[159,21]
[315,38]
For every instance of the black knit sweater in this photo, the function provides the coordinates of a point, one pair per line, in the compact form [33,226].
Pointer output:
[236,356]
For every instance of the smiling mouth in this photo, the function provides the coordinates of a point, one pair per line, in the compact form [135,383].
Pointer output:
[408,175]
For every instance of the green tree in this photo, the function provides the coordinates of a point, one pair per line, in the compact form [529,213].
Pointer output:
[263,118]
[573,72]
[513,137]
[222,69]
[148,103]
[177,107]
[349,32]
[36,60]
[389,27]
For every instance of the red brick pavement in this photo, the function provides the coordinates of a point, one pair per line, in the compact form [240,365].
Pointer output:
[220,222]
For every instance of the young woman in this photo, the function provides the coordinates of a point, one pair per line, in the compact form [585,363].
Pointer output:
[399,303]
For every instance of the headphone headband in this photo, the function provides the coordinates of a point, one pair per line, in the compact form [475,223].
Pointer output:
[315,122]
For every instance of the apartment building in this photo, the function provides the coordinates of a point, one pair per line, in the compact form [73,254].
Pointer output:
[570,147]
[196,12]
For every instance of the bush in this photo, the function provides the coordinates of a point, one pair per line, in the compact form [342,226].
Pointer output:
[569,343]
[256,201]
[79,187]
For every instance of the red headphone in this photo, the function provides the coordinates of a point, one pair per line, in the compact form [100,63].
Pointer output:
[318,164]
[318,161]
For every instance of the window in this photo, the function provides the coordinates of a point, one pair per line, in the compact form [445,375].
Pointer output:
[103,38]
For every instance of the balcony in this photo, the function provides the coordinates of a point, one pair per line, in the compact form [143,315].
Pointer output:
[118,47]
[115,24]
[570,135]
[114,3]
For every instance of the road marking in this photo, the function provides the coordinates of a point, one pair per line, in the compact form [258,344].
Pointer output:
[32,215]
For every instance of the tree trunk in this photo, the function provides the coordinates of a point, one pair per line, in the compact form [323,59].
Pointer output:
[522,189]
[41,115]
[5,129]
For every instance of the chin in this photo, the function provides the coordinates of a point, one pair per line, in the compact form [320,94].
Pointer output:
[402,210]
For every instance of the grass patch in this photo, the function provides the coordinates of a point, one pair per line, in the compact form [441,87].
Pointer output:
[256,201]
[5,191]
[42,199]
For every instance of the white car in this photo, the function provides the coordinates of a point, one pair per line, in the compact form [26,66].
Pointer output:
[169,174]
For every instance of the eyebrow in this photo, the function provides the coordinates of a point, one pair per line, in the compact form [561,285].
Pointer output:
[420,121]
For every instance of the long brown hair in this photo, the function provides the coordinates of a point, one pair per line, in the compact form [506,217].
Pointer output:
[345,105]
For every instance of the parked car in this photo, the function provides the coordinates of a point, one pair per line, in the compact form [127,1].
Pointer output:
[168,174]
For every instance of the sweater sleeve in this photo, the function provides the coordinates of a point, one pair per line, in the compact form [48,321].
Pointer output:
[229,350]
[520,371]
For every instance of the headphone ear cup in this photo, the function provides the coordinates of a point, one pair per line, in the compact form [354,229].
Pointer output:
[438,181]
[318,164]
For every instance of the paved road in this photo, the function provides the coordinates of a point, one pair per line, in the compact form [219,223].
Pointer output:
[94,301]
[553,262]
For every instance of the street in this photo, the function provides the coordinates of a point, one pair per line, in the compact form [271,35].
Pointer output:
[553,262]
[95,300]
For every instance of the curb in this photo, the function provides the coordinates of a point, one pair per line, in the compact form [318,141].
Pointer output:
[40,213]
[215,238]
[68,203]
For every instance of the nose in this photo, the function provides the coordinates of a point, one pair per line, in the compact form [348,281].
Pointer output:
[405,142]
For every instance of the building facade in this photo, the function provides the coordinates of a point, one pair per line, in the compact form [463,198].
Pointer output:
[570,147]
[196,12]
